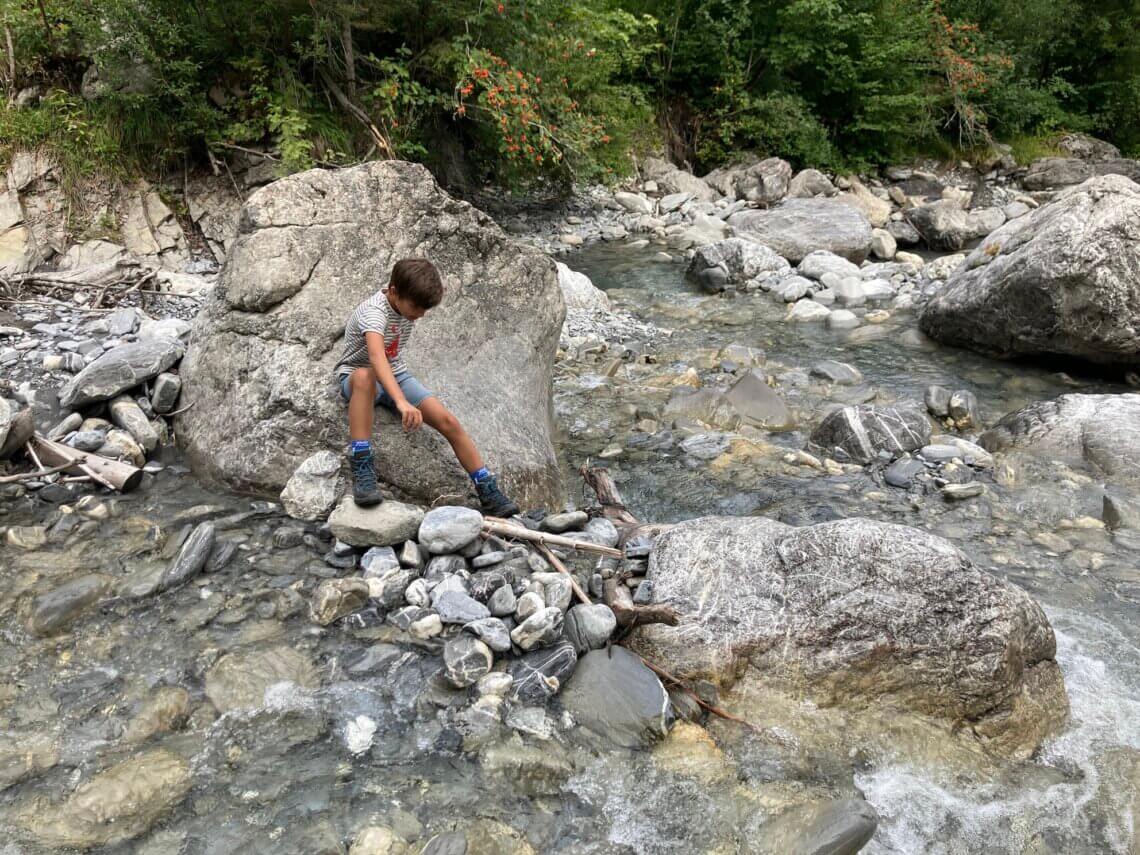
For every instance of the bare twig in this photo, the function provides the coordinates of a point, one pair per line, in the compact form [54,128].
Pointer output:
[252,151]
[712,708]
[499,526]
[181,411]
[31,476]
[378,136]
[544,550]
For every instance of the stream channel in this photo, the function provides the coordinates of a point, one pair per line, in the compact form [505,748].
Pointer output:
[300,773]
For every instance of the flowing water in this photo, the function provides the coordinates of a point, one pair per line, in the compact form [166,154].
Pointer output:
[377,739]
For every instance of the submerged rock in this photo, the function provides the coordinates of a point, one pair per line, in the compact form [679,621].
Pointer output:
[54,611]
[839,827]
[465,660]
[539,675]
[863,431]
[240,680]
[116,805]
[336,598]
[191,558]
[853,612]
[1100,430]
[1062,280]
[312,246]
[613,694]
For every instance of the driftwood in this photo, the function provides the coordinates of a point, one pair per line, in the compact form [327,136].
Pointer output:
[110,473]
[545,552]
[615,591]
[494,525]
[31,476]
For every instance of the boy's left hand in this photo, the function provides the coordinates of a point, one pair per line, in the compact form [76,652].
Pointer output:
[410,415]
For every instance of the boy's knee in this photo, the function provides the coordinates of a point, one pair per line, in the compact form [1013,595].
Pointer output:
[449,424]
[360,380]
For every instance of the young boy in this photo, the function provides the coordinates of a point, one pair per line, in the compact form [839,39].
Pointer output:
[371,372]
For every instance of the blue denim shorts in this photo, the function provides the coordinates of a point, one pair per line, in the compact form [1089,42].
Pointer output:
[413,390]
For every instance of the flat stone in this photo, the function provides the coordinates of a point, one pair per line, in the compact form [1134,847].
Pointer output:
[192,557]
[502,602]
[808,311]
[903,471]
[458,607]
[314,487]
[615,695]
[561,523]
[239,680]
[54,611]
[337,598]
[840,373]
[386,524]
[539,675]
[969,490]
[118,370]
[838,827]
[492,632]
[939,453]
[448,529]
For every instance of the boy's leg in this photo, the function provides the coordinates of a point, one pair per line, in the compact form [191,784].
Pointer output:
[361,397]
[437,416]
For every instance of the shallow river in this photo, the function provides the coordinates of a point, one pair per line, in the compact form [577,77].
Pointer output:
[285,777]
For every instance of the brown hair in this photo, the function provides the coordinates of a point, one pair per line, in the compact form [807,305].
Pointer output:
[416,279]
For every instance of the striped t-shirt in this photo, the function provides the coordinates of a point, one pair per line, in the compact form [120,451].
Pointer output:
[374,315]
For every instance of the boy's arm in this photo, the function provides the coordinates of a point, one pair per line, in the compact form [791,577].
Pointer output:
[411,416]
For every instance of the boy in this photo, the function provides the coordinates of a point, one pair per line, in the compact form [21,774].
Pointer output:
[371,371]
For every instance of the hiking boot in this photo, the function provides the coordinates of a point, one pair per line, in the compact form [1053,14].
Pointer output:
[493,500]
[365,491]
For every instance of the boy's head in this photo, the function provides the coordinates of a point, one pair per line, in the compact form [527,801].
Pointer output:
[415,287]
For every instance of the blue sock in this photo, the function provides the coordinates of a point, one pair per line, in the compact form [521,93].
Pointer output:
[360,445]
[480,475]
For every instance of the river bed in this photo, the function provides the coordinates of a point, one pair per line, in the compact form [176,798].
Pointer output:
[376,739]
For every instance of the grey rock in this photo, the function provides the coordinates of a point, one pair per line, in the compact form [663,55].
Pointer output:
[842,319]
[239,680]
[449,529]
[411,555]
[314,489]
[815,264]
[793,288]
[671,179]
[541,629]
[312,246]
[838,827]
[404,618]
[589,627]
[378,560]
[441,566]
[616,696]
[855,610]
[730,263]
[337,598]
[937,400]
[903,471]
[1051,172]
[797,227]
[57,609]
[938,453]
[87,440]
[528,604]
[191,558]
[16,427]
[564,522]
[482,586]
[643,595]
[763,181]
[539,675]
[969,490]
[465,660]
[492,632]
[167,388]
[578,292]
[840,373]
[488,559]
[758,404]
[118,370]
[810,182]
[502,602]
[1102,431]
[458,607]
[129,416]
[390,588]
[416,594]
[122,322]
[1087,148]
[634,202]
[1121,511]
[383,525]
[861,432]
[705,446]
[558,593]
[963,409]
[603,531]
[903,232]
[945,225]
[1040,286]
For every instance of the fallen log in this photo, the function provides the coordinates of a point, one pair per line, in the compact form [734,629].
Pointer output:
[494,525]
[115,474]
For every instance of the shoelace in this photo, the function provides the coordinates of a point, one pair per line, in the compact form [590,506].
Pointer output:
[364,472]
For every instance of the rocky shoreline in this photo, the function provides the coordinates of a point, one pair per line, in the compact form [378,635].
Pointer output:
[496,653]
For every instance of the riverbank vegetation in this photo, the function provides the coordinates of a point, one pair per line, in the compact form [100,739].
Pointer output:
[547,91]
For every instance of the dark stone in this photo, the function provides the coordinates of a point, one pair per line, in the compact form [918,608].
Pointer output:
[484,584]
[191,559]
[457,607]
[539,675]
[615,695]
[53,611]
[903,471]
[862,432]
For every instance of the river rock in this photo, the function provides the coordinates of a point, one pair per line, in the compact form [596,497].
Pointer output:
[16,427]
[945,225]
[859,433]
[730,263]
[902,472]
[337,598]
[578,292]
[876,210]
[24,755]
[564,522]
[54,611]
[449,529]
[1100,430]
[1064,280]
[120,445]
[842,319]
[937,400]
[816,264]
[963,409]
[764,181]
[465,660]
[458,607]
[1121,511]
[840,373]
[192,558]
[855,612]
[167,388]
[310,247]
[314,488]
[1051,172]
[492,632]
[634,202]
[838,827]
[602,531]
[883,244]
[239,680]
[386,524]
[541,629]
[797,227]
[119,370]
[502,602]
[671,179]
[615,695]
[115,805]
[758,404]
[808,310]
[589,627]
[810,182]
[539,675]
[378,840]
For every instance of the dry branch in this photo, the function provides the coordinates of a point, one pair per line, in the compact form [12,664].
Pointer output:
[494,525]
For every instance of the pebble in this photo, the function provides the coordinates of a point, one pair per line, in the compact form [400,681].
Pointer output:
[378,560]
[449,529]
[488,559]
[539,630]
[458,607]
[963,491]
[529,604]
[465,660]
[502,602]
[561,523]
[492,632]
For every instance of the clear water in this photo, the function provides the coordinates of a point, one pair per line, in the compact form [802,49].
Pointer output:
[284,778]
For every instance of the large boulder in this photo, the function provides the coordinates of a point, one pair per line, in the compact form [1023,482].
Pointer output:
[119,370]
[672,179]
[578,292]
[1100,430]
[765,181]
[857,612]
[732,262]
[1062,280]
[312,246]
[800,226]
[860,432]
[1050,172]
[946,225]
[616,696]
